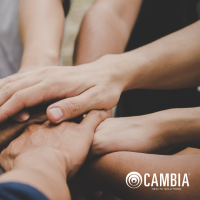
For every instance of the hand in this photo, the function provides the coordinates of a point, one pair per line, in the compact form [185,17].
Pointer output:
[145,134]
[71,139]
[11,129]
[97,85]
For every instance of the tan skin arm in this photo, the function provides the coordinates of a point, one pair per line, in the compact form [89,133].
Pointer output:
[45,156]
[43,168]
[109,173]
[105,29]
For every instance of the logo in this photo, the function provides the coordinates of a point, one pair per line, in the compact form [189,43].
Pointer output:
[169,181]
[134,180]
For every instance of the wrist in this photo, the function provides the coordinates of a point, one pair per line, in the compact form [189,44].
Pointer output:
[115,67]
[129,68]
[32,61]
[180,126]
[43,159]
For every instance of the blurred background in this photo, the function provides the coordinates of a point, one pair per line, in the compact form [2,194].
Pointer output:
[74,19]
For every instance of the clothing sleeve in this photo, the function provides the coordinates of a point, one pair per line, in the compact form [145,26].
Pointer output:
[19,191]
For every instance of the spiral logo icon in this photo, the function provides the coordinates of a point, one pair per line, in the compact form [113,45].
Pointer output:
[134,180]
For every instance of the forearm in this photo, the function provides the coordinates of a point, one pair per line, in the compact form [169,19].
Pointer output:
[179,127]
[105,29]
[41,26]
[109,173]
[42,168]
[171,62]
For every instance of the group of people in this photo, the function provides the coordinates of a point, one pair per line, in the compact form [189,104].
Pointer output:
[57,138]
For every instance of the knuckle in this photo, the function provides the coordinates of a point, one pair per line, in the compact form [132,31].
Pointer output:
[7,88]
[98,114]
[72,106]
[8,79]
[19,95]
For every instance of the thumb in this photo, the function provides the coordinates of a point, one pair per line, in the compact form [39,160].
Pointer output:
[94,118]
[70,108]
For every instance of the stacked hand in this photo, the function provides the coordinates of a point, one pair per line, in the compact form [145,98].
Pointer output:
[79,89]
[146,134]
[11,129]
[71,140]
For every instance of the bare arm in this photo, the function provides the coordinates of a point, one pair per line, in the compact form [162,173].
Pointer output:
[158,133]
[45,156]
[105,29]
[41,26]
[110,171]
[44,169]
[169,63]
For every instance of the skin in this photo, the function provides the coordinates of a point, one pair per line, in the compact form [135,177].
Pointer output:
[41,25]
[109,172]
[34,158]
[170,66]
[164,132]
[158,133]
[116,19]
[40,22]
[11,129]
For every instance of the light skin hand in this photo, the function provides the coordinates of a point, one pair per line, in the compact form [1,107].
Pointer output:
[106,78]
[40,22]
[115,9]
[80,89]
[44,156]
[159,132]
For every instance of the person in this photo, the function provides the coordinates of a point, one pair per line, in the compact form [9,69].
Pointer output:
[43,157]
[165,142]
[40,160]
[127,25]
[163,64]
[30,36]
[147,67]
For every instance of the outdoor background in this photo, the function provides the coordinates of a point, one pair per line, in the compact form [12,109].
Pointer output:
[74,18]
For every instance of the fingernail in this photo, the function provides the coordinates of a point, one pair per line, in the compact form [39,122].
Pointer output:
[23,116]
[56,113]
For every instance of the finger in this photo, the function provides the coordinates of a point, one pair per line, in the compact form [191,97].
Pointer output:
[71,107]
[14,77]
[9,89]
[23,99]
[22,116]
[94,118]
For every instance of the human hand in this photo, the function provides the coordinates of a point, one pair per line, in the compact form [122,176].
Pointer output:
[145,134]
[82,88]
[10,129]
[71,139]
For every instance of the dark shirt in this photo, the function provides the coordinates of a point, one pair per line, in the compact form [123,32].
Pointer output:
[19,191]
[66,6]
